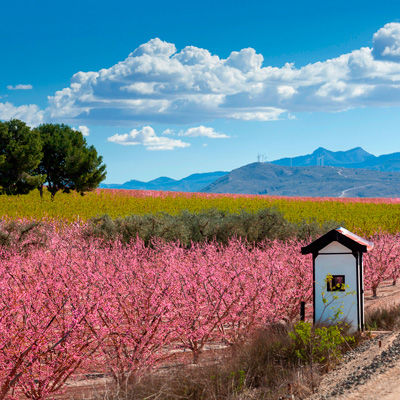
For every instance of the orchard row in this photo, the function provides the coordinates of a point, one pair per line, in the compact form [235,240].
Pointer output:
[80,304]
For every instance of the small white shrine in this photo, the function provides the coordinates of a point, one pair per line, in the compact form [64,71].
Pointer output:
[338,276]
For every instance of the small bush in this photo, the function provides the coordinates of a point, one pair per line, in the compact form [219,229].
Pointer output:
[21,235]
[321,344]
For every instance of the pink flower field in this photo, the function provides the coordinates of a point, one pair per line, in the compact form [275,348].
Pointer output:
[77,304]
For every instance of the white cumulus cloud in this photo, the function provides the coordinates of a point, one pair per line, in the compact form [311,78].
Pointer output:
[387,42]
[82,129]
[157,83]
[148,138]
[30,114]
[169,132]
[203,131]
[20,87]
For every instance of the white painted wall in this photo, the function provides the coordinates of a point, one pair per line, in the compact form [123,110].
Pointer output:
[336,264]
[335,247]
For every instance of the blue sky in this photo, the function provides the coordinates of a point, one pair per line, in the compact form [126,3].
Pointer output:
[174,88]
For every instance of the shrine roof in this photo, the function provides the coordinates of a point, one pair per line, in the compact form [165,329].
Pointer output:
[344,237]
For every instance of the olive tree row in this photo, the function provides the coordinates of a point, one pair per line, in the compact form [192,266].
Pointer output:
[205,226]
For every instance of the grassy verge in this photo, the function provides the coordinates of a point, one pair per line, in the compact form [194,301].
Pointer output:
[383,319]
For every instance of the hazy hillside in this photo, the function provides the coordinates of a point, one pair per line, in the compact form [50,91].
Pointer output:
[267,178]
[192,183]
[354,158]
[355,174]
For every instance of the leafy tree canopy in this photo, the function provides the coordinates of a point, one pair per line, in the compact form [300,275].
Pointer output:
[20,154]
[68,162]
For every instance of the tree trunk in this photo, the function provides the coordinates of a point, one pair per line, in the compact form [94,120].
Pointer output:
[196,355]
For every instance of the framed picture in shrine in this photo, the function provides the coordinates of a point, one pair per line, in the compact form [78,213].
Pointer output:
[335,283]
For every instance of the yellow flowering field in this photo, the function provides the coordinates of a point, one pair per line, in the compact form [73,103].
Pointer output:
[362,215]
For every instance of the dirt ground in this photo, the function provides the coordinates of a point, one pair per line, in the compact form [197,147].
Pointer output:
[387,295]
[363,375]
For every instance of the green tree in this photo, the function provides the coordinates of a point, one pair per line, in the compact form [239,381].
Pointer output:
[68,162]
[20,154]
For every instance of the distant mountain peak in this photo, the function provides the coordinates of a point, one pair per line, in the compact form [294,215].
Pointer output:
[320,150]
[161,180]
[322,156]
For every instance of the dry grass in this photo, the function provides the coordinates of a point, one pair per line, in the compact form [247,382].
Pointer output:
[385,319]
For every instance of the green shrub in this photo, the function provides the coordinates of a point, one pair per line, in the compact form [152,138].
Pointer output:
[319,344]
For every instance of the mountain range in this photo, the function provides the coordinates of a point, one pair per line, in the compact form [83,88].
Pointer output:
[352,173]
[317,181]
[192,183]
[354,158]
